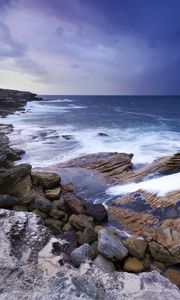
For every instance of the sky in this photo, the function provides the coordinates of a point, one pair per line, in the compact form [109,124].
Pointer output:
[119,47]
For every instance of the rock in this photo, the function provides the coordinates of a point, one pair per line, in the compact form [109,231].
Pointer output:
[165,243]
[13,155]
[53,194]
[48,180]
[94,246]
[102,134]
[55,225]
[110,246]
[104,264]
[70,237]
[119,285]
[97,211]
[40,214]
[174,276]
[57,214]
[16,182]
[29,267]
[7,201]
[79,222]
[67,136]
[68,187]
[97,228]
[42,204]
[133,265]
[136,247]
[81,254]
[89,235]
[74,203]
[19,208]
[67,227]
[110,164]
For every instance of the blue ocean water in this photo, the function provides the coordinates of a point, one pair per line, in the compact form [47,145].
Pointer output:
[147,126]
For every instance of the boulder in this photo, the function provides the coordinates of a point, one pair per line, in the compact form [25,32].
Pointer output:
[70,237]
[68,187]
[110,246]
[7,201]
[53,194]
[174,276]
[48,180]
[42,204]
[16,182]
[74,203]
[164,244]
[57,214]
[89,235]
[81,254]
[104,264]
[67,227]
[55,225]
[136,246]
[97,211]
[79,222]
[133,265]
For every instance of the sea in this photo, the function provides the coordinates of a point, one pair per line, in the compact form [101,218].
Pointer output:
[61,127]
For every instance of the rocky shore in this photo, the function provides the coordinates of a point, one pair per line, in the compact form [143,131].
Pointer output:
[58,246]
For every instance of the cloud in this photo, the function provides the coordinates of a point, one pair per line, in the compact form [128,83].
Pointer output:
[93,46]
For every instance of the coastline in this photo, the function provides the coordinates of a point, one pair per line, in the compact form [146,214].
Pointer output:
[45,190]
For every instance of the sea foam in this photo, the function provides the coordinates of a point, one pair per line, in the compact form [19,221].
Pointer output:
[160,186]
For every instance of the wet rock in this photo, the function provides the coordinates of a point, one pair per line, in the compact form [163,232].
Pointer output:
[42,204]
[13,155]
[53,194]
[102,134]
[94,246]
[81,254]
[79,222]
[136,246]
[97,211]
[48,180]
[74,203]
[110,246]
[104,264]
[7,201]
[67,136]
[133,265]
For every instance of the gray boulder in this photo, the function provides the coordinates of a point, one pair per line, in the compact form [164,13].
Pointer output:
[110,246]
[104,264]
[42,204]
[82,254]
[7,201]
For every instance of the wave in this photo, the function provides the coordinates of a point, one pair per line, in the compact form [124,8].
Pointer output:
[160,186]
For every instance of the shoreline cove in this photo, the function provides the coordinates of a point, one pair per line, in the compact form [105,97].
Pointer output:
[57,207]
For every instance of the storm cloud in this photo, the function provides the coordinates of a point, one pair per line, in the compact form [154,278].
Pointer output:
[93,47]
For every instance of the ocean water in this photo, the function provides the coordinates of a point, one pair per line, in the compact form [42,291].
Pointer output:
[149,127]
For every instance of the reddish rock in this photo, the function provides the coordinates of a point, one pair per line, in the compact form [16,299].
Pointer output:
[74,203]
